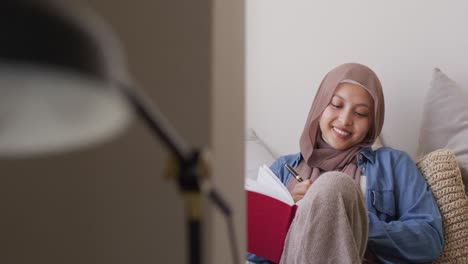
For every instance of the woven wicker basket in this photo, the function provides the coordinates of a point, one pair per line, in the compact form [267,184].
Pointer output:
[443,175]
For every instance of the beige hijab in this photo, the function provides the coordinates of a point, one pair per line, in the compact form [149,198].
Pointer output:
[317,155]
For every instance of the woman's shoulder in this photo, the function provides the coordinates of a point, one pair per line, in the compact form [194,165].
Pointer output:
[397,164]
[389,153]
[289,158]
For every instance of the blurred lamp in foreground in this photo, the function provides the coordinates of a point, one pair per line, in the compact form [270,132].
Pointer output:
[64,85]
[57,76]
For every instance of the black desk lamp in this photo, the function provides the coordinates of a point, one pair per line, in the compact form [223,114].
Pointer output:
[64,85]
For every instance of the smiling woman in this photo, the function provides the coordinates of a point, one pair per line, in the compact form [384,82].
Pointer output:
[288,57]
[395,219]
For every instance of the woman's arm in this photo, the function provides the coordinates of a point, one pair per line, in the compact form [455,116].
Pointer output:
[416,236]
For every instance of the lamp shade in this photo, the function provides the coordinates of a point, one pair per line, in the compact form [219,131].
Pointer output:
[59,70]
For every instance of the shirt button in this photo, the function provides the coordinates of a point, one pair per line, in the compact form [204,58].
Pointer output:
[363,168]
[360,157]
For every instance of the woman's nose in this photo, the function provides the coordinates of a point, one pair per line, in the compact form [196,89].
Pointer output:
[346,118]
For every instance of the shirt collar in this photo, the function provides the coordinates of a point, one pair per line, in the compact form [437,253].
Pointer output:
[368,153]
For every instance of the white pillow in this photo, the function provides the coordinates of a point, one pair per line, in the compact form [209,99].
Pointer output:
[256,154]
[444,123]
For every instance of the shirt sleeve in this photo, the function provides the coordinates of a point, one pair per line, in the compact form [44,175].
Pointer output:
[252,258]
[416,234]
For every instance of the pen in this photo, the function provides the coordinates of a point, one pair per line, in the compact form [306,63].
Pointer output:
[293,172]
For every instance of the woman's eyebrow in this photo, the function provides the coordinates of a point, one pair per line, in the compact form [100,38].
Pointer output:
[361,104]
[364,105]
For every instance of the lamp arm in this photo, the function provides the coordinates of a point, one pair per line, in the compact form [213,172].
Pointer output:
[156,122]
[191,169]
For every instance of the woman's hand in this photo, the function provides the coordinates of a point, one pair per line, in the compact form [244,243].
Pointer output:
[300,189]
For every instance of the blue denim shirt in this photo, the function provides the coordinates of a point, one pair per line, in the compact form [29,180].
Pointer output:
[405,225]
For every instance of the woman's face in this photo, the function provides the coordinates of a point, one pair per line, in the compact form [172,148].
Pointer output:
[347,118]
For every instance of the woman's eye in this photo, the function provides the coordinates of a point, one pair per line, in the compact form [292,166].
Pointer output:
[336,105]
[361,114]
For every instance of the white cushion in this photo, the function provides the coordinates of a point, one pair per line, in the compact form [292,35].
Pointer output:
[256,154]
[444,123]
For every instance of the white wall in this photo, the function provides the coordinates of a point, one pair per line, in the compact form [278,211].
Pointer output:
[291,45]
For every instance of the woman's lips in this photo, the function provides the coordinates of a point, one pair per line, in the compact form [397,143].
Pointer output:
[342,133]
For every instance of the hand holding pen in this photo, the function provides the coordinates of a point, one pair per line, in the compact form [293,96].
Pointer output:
[301,188]
[293,172]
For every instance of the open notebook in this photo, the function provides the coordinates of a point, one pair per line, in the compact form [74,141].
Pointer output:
[270,210]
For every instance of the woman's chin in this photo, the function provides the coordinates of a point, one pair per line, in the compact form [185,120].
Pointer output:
[340,145]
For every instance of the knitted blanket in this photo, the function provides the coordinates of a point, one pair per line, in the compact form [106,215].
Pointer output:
[443,176]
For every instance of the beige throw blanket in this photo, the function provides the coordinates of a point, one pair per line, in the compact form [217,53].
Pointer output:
[330,225]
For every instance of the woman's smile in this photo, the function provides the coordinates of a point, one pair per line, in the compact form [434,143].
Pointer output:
[341,133]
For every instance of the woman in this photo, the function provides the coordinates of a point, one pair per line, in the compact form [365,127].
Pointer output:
[356,204]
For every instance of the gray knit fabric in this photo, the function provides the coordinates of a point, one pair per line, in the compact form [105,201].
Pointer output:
[330,225]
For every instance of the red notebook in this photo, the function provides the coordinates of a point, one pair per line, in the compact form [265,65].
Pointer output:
[270,210]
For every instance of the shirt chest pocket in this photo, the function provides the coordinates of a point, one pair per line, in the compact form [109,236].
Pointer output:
[384,204]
